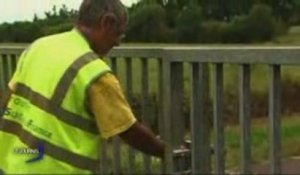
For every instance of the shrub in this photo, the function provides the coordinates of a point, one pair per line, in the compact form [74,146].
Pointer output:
[148,24]
[188,24]
[281,28]
[261,23]
[258,26]
[238,30]
[213,31]
[63,27]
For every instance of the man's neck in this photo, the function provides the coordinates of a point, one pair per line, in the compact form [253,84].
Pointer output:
[86,33]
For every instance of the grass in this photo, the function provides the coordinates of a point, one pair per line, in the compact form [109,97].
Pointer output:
[291,38]
[290,131]
[259,130]
[138,167]
[259,76]
[259,73]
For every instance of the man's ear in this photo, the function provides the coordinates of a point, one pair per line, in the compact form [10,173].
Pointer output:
[108,20]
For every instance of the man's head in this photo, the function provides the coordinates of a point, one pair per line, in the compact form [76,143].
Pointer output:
[103,22]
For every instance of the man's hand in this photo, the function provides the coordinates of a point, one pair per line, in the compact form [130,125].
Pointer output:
[141,138]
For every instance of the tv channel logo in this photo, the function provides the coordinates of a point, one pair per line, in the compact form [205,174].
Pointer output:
[39,152]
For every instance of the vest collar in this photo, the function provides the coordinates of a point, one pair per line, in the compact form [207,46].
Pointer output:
[80,37]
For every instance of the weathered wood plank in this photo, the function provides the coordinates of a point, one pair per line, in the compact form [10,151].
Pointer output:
[103,158]
[168,160]
[160,105]
[200,125]
[244,118]
[129,94]
[145,108]
[219,120]
[274,119]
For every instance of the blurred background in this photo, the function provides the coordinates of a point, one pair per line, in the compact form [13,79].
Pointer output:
[164,21]
[189,23]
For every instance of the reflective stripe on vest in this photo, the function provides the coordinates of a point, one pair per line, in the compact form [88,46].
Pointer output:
[66,80]
[53,106]
[50,149]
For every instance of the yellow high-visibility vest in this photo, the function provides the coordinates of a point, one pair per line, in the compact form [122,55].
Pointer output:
[47,115]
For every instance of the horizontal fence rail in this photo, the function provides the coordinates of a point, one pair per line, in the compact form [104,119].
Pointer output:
[179,93]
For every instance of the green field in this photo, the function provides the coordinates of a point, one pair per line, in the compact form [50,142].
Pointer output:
[290,128]
[259,145]
[259,72]
[291,38]
[259,131]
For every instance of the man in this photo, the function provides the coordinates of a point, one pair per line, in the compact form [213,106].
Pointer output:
[63,96]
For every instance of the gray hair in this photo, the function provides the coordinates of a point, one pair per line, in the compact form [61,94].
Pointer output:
[91,11]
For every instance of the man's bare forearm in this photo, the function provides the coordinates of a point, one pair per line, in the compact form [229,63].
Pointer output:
[141,138]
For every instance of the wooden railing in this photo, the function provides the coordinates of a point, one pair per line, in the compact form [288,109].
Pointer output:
[162,75]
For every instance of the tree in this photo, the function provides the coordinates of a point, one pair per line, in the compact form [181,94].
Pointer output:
[55,21]
[188,24]
[148,24]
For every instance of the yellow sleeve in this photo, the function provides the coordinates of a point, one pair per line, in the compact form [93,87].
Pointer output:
[12,85]
[13,81]
[109,106]
[15,77]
